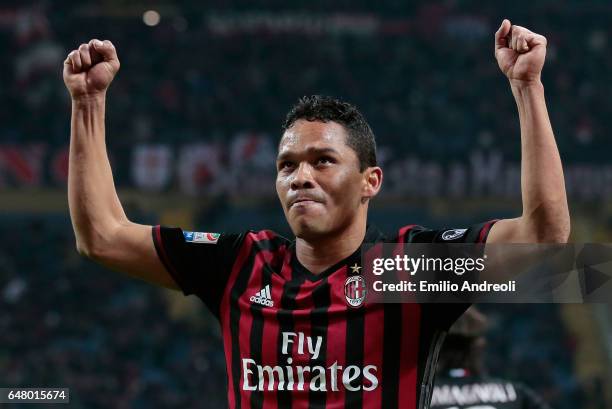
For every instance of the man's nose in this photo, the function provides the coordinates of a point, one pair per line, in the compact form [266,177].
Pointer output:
[302,177]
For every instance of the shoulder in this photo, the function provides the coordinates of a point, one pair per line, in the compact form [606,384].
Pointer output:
[411,233]
[476,233]
[228,242]
[266,241]
[265,236]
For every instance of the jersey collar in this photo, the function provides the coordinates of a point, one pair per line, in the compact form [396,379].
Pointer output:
[372,235]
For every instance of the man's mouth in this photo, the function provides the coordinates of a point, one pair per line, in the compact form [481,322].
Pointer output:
[302,201]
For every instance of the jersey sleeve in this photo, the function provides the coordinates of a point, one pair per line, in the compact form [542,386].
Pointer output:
[476,233]
[445,314]
[200,263]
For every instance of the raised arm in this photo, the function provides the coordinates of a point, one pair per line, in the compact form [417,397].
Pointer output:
[520,54]
[102,230]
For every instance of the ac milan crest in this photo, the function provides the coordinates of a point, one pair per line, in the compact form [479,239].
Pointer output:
[355,291]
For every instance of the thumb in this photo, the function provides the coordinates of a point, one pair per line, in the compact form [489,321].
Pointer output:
[502,33]
[68,69]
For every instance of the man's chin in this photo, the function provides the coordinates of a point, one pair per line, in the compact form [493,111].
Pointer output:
[307,230]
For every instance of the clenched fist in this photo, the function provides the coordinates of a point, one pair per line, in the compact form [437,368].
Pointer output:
[520,53]
[89,70]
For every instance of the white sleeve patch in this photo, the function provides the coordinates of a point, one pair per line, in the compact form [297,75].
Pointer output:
[453,234]
[200,237]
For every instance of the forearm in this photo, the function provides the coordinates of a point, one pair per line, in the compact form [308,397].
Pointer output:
[95,209]
[545,209]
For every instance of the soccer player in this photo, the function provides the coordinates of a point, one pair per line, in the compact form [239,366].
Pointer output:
[290,337]
[461,382]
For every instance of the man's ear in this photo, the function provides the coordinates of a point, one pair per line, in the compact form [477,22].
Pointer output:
[372,181]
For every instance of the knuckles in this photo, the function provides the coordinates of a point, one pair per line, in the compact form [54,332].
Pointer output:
[89,46]
[519,34]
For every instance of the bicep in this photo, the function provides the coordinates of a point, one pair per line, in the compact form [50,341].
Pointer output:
[131,250]
[508,262]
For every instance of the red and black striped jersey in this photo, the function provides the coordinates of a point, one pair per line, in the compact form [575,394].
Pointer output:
[290,337]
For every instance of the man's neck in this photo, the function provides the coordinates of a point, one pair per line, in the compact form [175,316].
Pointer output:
[320,254]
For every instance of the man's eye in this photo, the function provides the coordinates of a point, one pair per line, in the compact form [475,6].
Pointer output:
[284,165]
[325,160]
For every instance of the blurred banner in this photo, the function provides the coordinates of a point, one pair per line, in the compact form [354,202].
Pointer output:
[248,161]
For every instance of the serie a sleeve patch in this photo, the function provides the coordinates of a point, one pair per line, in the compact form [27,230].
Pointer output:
[201,237]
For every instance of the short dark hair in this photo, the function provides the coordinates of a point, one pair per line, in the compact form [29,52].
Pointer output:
[322,108]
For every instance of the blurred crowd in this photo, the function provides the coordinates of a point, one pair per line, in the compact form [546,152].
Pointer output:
[423,73]
[529,344]
[66,322]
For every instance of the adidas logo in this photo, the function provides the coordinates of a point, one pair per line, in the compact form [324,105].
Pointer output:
[263,297]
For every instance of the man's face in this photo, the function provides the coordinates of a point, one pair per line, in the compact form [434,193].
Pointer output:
[318,180]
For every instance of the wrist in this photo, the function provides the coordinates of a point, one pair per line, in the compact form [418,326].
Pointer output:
[89,99]
[521,85]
